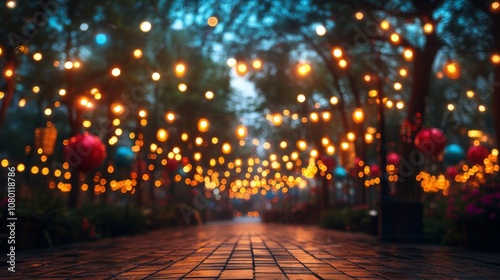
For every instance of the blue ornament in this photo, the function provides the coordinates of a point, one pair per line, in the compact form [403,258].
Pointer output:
[339,173]
[124,157]
[453,154]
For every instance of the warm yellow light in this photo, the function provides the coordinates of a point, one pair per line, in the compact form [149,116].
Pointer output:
[344,146]
[330,150]
[257,64]
[320,30]
[231,62]
[145,26]
[373,93]
[302,145]
[314,117]
[400,105]
[389,104]
[403,72]
[77,64]
[351,136]
[481,108]
[11,4]
[117,108]
[37,56]
[398,86]
[470,93]
[428,28]
[342,63]
[4,163]
[408,54]
[22,102]
[209,95]
[359,15]
[212,21]
[203,125]
[301,98]
[143,113]
[182,87]
[241,68]
[395,38]
[303,69]
[68,65]
[334,100]
[155,76]
[495,58]
[226,148]
[326,116]
[62,92]
[116,72]
[277,119]
[9,73]
[495,6]
[241,131]
[452,70]
[180,69]
[358,116]
[385,25]
[162,135]
[137,53]
[2,95]
[337,52]
[87,123]
[450,107]
[169,117]
[368,138]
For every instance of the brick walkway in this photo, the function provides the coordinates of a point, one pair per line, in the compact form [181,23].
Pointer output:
[252,251]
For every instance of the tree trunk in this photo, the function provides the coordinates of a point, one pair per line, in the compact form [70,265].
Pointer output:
[408,188]
[496,79]
[10,83]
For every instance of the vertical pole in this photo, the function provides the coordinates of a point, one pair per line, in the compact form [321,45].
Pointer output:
[385,226]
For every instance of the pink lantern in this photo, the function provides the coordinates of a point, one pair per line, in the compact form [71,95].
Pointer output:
[393,159]
[375,170]
[430,141]
[84,152]
[477,154]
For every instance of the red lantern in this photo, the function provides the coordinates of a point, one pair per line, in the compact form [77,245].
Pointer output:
[329,162]
[172,165]
[430,141]
[84,152]
[451,172]
[393,159]
[477,154]
[375,170]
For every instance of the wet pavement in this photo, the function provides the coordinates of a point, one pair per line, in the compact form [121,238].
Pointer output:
[252,251]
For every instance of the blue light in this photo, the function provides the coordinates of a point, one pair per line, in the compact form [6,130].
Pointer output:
[101,39]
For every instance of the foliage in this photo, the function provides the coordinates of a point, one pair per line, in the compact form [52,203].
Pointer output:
[478,204]
[347,218]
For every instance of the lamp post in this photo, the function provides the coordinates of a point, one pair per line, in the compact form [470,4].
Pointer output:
[384,219]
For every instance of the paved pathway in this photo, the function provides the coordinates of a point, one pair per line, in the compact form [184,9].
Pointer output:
[252,251]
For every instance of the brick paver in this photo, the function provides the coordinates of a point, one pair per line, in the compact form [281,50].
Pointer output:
[252,251]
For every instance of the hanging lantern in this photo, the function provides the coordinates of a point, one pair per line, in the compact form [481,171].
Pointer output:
[393,159]
[124,157]
[451,172]
[430,141]
[45,139]
[84,152]
[340,173]
[329,162]
[477,154]
[453,154]
[375,170]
